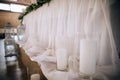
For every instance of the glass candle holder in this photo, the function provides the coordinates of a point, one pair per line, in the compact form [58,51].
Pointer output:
[62,59]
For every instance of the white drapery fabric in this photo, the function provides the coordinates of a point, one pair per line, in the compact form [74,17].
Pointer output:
[63,24]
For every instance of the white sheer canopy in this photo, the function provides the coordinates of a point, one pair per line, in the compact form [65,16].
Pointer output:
[63,24]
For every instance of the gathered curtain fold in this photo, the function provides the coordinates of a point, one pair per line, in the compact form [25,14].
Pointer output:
[64,23]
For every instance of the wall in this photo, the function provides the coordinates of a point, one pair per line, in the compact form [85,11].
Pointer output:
[115,20]
[9,17]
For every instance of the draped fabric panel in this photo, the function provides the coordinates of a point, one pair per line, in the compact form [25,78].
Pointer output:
[63,24]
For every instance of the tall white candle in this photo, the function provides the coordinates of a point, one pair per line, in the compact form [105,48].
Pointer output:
[88,53]
[62,59]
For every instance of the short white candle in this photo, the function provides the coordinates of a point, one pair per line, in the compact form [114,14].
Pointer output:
[88,53]
[62,59]
[13,0]
[35,77]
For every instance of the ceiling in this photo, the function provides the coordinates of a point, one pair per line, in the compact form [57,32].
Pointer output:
[26,2]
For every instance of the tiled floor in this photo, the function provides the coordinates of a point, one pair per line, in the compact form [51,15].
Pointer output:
[14,71]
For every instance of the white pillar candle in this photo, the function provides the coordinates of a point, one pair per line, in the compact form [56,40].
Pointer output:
[62,59]
[88,53]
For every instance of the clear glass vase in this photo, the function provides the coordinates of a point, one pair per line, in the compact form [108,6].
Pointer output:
[20,32]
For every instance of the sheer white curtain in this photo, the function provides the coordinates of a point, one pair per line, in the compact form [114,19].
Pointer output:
[63,24]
